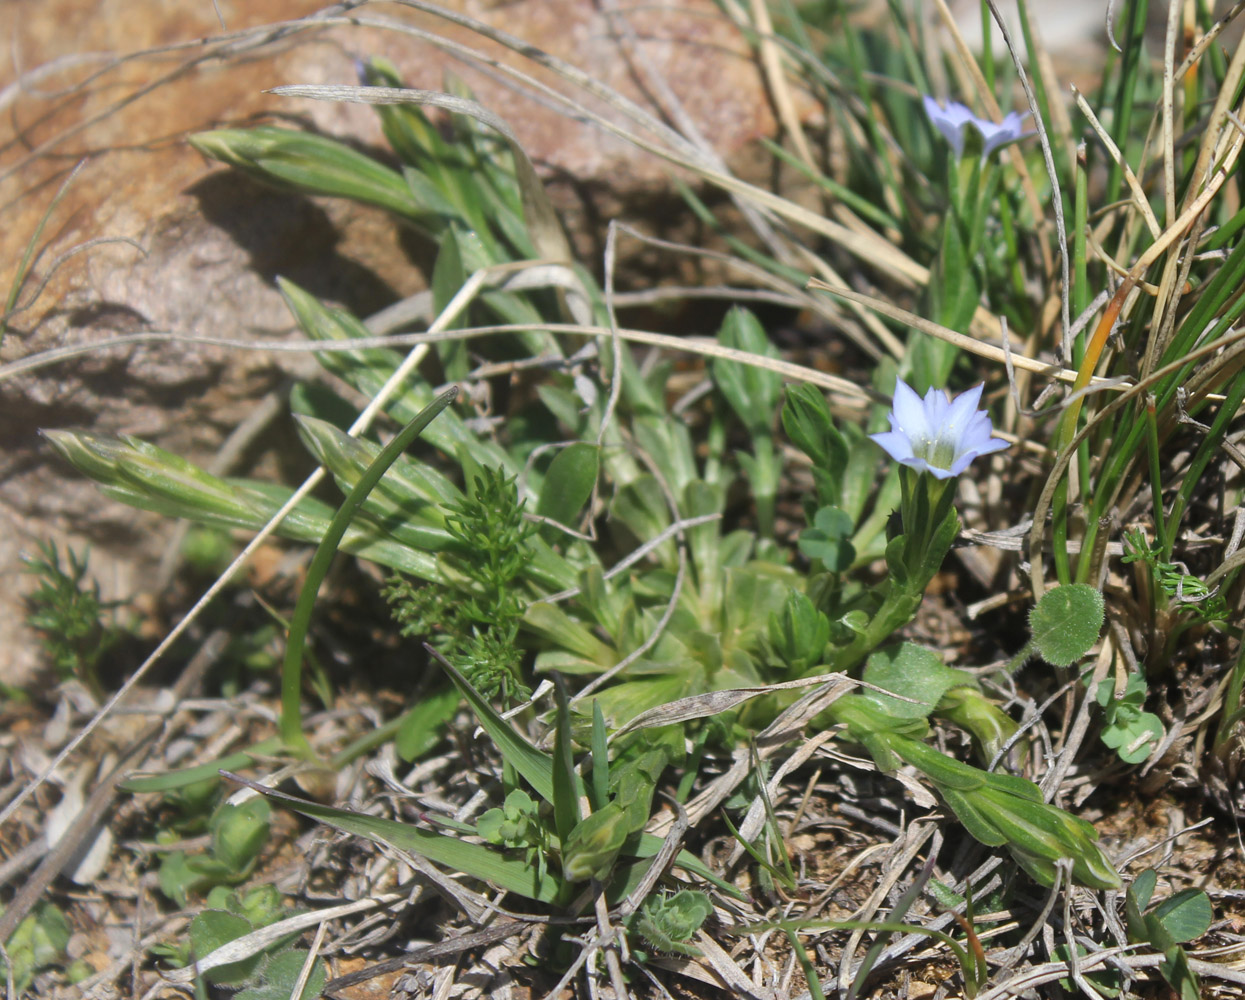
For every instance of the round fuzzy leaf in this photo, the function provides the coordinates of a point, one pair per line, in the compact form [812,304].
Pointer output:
[1066,623]
[280,976]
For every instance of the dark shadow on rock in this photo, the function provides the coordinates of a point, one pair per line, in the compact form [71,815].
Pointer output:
[289,235]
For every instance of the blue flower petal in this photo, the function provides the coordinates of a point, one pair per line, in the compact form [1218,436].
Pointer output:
[952,120]
[937,434]
[908,415]
[896,444]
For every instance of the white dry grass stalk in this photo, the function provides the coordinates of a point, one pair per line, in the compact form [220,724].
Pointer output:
[252,944]
[1140,200]
[702,346]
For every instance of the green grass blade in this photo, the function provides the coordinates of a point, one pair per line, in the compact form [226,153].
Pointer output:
[600,758]
[291,726]
[566,783]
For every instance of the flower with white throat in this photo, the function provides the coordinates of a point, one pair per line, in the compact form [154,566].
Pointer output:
[936,434]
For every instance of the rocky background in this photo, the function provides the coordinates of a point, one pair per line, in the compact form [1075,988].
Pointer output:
[185,245]
[203,245]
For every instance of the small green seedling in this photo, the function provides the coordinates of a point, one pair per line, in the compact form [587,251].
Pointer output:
[667,923]
[75,626]
[517,824]
[38,943]
[1177,920]
[829,539]
[238,832]
[269,974]
[1126,728]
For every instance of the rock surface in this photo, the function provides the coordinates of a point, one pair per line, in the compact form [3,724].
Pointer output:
[206,244]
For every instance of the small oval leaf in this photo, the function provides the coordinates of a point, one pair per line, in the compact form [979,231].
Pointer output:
[568,483]
[1066,623]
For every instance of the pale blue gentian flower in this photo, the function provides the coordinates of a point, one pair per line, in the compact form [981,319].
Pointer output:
[952,120]
[937,435]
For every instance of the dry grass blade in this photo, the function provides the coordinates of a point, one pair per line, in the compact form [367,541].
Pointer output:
[104,791]
[849,390]
[1140,200]
[702,706]
[788,726]
[965,343]
[779,85]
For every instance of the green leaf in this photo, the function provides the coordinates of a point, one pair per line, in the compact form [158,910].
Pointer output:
[239,833]
[212,929]
[568,485]
[914,672]
[279,977]
[799,632]
[554,625]
[307,162]
[536,767]
[448,277]
[667,923]
[1134,736]
[991,727]
[594,845]
[567,786]
[1175,969]
[186,777]
[1066,623]
[422,725]
[477,860]
[600,758]
[1135,902]
[751,391]
[291,722]
[1184,917]
[829,539]
[806,419]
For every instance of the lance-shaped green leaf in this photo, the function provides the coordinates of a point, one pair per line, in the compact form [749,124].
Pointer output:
[300,620]
[568,485]
[369,369]
[393,504]
[991,727]
[142,475]
[751,391]
[1003,810]
[307,162]
[536,767]
[567,785]
[502,870]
